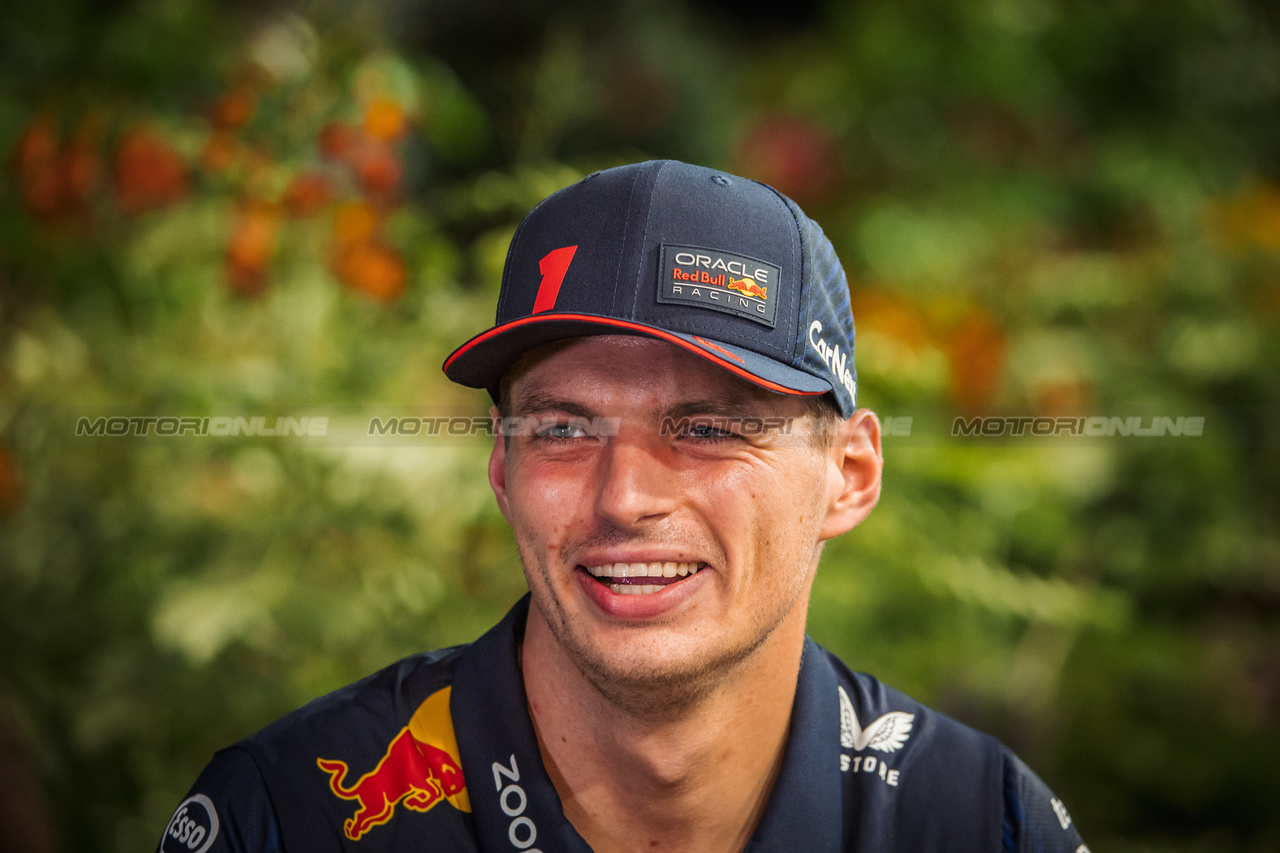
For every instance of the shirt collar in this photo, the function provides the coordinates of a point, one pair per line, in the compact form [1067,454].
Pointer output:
[805,810]
[499,747]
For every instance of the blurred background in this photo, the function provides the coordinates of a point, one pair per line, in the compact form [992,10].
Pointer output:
[245,209]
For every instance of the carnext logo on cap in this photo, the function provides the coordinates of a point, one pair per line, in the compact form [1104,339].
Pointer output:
[722,281]
[837,362]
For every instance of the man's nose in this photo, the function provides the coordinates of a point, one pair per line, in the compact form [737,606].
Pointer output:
[635,486]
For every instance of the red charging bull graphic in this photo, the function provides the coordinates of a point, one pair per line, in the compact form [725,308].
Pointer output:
[420,768]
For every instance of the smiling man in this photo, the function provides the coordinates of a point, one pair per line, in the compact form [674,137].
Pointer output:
[677,438]
[670,562]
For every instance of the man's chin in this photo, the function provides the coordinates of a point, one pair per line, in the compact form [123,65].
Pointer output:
[654,671]
[651,680]
[648,692]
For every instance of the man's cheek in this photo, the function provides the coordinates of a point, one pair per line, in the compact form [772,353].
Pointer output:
[543,534]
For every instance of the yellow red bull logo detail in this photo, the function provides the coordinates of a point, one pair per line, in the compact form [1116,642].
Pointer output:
[420,769]
[748,287]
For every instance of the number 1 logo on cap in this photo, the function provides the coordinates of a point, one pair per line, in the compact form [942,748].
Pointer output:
[553,266]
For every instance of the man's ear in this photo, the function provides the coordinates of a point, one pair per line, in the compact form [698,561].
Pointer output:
[854,466]
[498,463]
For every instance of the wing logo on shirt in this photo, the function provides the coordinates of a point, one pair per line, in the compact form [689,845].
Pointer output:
[420,768]
[885,734]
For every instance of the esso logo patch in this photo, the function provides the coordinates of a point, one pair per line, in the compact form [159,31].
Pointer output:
[192,828]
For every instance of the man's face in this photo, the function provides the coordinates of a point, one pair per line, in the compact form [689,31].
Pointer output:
[717,483]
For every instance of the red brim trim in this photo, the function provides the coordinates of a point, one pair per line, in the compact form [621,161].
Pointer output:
[648,331]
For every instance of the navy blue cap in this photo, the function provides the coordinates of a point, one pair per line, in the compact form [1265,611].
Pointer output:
[725,267]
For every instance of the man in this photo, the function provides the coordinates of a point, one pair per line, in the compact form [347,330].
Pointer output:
[677,438]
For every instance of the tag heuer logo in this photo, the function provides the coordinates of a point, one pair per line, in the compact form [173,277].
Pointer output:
[885,734]
[722,281]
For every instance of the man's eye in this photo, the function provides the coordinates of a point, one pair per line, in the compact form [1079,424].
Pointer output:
[709,432]
[560,431]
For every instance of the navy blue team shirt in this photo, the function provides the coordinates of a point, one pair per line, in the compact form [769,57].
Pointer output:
[437,753]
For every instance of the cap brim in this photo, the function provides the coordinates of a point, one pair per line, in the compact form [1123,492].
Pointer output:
[481,361]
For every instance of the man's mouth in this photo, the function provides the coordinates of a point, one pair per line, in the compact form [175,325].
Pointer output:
[642,578]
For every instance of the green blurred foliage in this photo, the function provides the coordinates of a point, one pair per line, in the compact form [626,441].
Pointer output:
[1045,208]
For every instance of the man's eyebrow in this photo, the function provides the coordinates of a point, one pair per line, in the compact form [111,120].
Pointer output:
[717,407]
[537,401]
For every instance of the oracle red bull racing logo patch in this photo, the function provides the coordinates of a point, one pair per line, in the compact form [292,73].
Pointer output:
[735,284]
[420,769]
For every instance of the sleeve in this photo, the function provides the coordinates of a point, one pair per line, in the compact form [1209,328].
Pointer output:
[1035,821]
[227,810]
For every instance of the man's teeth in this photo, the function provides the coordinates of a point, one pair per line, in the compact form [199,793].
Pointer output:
[642,570]
[634,589]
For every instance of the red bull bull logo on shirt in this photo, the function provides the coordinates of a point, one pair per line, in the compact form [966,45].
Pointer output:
[420,768]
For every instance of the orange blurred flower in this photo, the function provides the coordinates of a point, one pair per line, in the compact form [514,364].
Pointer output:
[36,159]
[372,269]
[362,261]
[235,108]
[379,171]
[1251,218]
[251,246]
[384,119]
[148,172]
[337,140]
[57,181]
[307,193]
[976,350]
[354,222]
[82,166]
[367,150]
[38,143]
